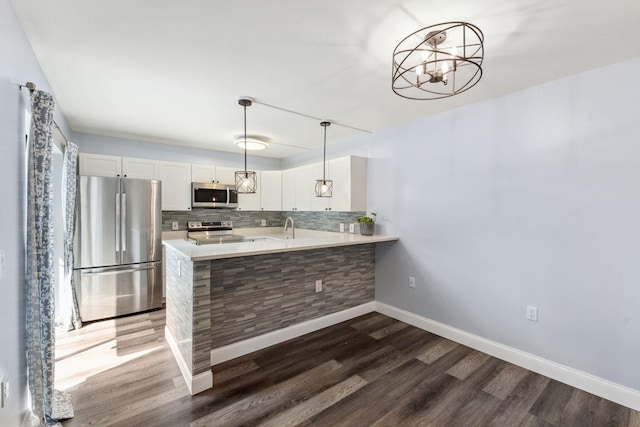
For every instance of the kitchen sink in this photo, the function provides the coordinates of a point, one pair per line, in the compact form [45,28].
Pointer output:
[217,240]
[259,239]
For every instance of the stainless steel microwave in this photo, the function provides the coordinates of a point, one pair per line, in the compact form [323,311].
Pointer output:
[213,195]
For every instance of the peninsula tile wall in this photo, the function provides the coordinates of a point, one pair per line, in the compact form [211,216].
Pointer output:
[189,313]
[322,221]
[251,296]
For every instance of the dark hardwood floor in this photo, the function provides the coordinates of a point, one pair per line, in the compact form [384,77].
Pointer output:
[369,371]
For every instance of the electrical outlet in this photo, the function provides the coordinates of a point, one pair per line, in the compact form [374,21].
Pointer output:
[263,222]
[532,313]
[174,225]
[318,285]
[352,228]
[412,282]
[342,227]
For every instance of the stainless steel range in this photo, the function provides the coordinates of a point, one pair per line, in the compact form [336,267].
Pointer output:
[211,232]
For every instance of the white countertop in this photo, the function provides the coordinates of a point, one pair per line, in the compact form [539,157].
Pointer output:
[305,240]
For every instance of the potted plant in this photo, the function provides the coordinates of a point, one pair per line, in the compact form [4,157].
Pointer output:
[367,224]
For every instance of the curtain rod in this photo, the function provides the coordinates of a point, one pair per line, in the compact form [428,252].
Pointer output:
[32,87]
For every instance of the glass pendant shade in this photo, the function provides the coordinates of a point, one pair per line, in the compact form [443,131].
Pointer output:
[324,186]
[246,181]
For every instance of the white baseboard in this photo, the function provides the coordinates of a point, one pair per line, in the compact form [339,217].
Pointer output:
[231,351]
[573,377]
[197,383]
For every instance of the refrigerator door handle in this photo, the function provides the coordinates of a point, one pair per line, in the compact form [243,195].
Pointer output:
[104,272]
[118,223]
[124,222]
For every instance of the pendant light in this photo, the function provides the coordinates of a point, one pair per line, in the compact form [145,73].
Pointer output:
[246,181]
[324,186]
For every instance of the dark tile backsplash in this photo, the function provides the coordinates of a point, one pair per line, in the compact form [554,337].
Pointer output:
[322,221]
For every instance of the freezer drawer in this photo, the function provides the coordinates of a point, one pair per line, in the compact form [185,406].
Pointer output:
[114,291]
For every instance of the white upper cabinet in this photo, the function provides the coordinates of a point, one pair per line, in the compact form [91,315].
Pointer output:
[99,165]
[139,168]
[271,193]
[176,185]
[209,173]
[203,173]
[114,166]
[349,175]
[297,188]
[319,203]
[268,196]
[291,189]
[251,201]
[225,175]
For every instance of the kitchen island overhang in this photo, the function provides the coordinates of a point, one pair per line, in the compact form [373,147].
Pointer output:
[232,299]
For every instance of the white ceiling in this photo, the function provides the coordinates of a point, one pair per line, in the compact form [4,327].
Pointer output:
[172,71]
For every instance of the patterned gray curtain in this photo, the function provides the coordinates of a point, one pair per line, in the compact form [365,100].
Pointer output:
[47,404]
[69,182]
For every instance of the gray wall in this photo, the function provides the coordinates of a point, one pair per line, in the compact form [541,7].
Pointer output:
[527,199]
[18,66]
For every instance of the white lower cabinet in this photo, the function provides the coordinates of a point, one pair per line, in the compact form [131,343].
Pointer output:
[176,185]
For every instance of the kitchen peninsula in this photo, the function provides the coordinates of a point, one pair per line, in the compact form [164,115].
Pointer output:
[226,300]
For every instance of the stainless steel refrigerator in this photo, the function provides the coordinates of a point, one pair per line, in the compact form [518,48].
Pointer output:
[117,246]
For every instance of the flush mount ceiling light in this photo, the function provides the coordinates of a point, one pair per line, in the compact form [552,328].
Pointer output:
[438,61]
[324,187]
[246,181]
[253,144]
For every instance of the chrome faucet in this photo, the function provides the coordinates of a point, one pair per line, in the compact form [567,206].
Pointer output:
[293,228]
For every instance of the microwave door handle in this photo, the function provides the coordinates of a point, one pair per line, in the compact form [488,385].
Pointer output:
[228,196]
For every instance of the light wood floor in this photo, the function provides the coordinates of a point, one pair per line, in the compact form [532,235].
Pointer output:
[369,371]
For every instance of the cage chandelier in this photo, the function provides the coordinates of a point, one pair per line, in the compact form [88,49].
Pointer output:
[438,61]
